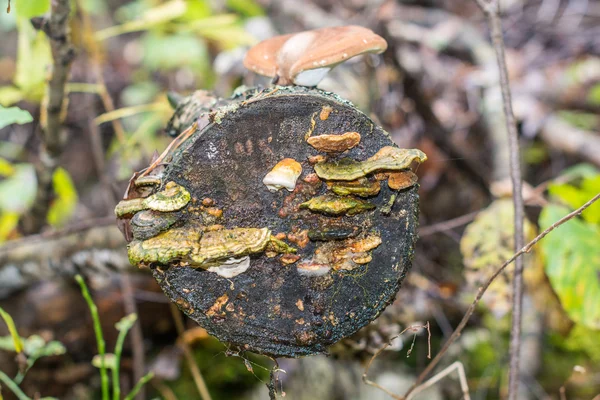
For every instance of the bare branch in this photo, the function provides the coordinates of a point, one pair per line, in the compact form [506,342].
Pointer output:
[92,248]
[58,31]
[491,9]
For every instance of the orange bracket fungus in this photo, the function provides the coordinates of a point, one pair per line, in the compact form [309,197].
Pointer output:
[247,260]
[305,58]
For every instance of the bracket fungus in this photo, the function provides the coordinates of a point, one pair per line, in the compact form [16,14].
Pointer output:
[238,255]
[304,58]
[334,143]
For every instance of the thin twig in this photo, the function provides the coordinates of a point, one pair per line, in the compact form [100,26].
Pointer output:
[491,9]
[187,351]
[462,379]
[52,144]
[457,332]
[365,376]
[447,225]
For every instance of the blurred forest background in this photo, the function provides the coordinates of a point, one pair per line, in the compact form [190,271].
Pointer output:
[435,88]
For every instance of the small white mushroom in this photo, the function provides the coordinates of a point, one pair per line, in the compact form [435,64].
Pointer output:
[312,269]
[232,267]
[283,175]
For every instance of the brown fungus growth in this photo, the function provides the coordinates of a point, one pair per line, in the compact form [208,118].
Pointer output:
[399,180]
[304,58]
[334,143]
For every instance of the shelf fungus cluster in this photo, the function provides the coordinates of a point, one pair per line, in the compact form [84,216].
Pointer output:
[282,223]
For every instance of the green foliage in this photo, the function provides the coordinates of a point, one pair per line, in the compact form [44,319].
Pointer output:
[108,361]
[485,245]
[150,18]
[583,340]
[164,52]
[17,192]
[64,204]
[33,58]
[34,347]
[123,326]
[572,256]
[594,94]
[12,329]
[577,195]
[13,115]
[229,377]
[31,8]
[582,120]
[248,8]
[111,361]
[98,332]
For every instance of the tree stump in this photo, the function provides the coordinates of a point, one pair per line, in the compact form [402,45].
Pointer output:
[336,249]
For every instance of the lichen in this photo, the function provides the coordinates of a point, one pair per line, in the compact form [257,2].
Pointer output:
[230,243]
[173,198]
[129,207]
[362,187]
[388,158]
[337,205]
[217,116]
[171,245]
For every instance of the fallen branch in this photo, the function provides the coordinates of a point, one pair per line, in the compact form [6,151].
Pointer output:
[57,29]
[563,136]
[90,249]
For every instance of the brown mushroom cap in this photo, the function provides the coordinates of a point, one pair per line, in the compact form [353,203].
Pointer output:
[287,56]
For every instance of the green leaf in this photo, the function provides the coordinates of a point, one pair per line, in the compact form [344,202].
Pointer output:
[18,191]
[14,115]
[594,94]
[163,52]
[582,120]
[110,361]
[248,8]
[8,223]
[33,58]
[486,243]
[576,196]
[10,95]
[31,8]
[65,202]
[12,329]
[126,323]
[6,167]
[153,17]
[572,256]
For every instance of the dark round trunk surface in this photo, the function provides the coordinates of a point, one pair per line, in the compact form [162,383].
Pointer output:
[271,308]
